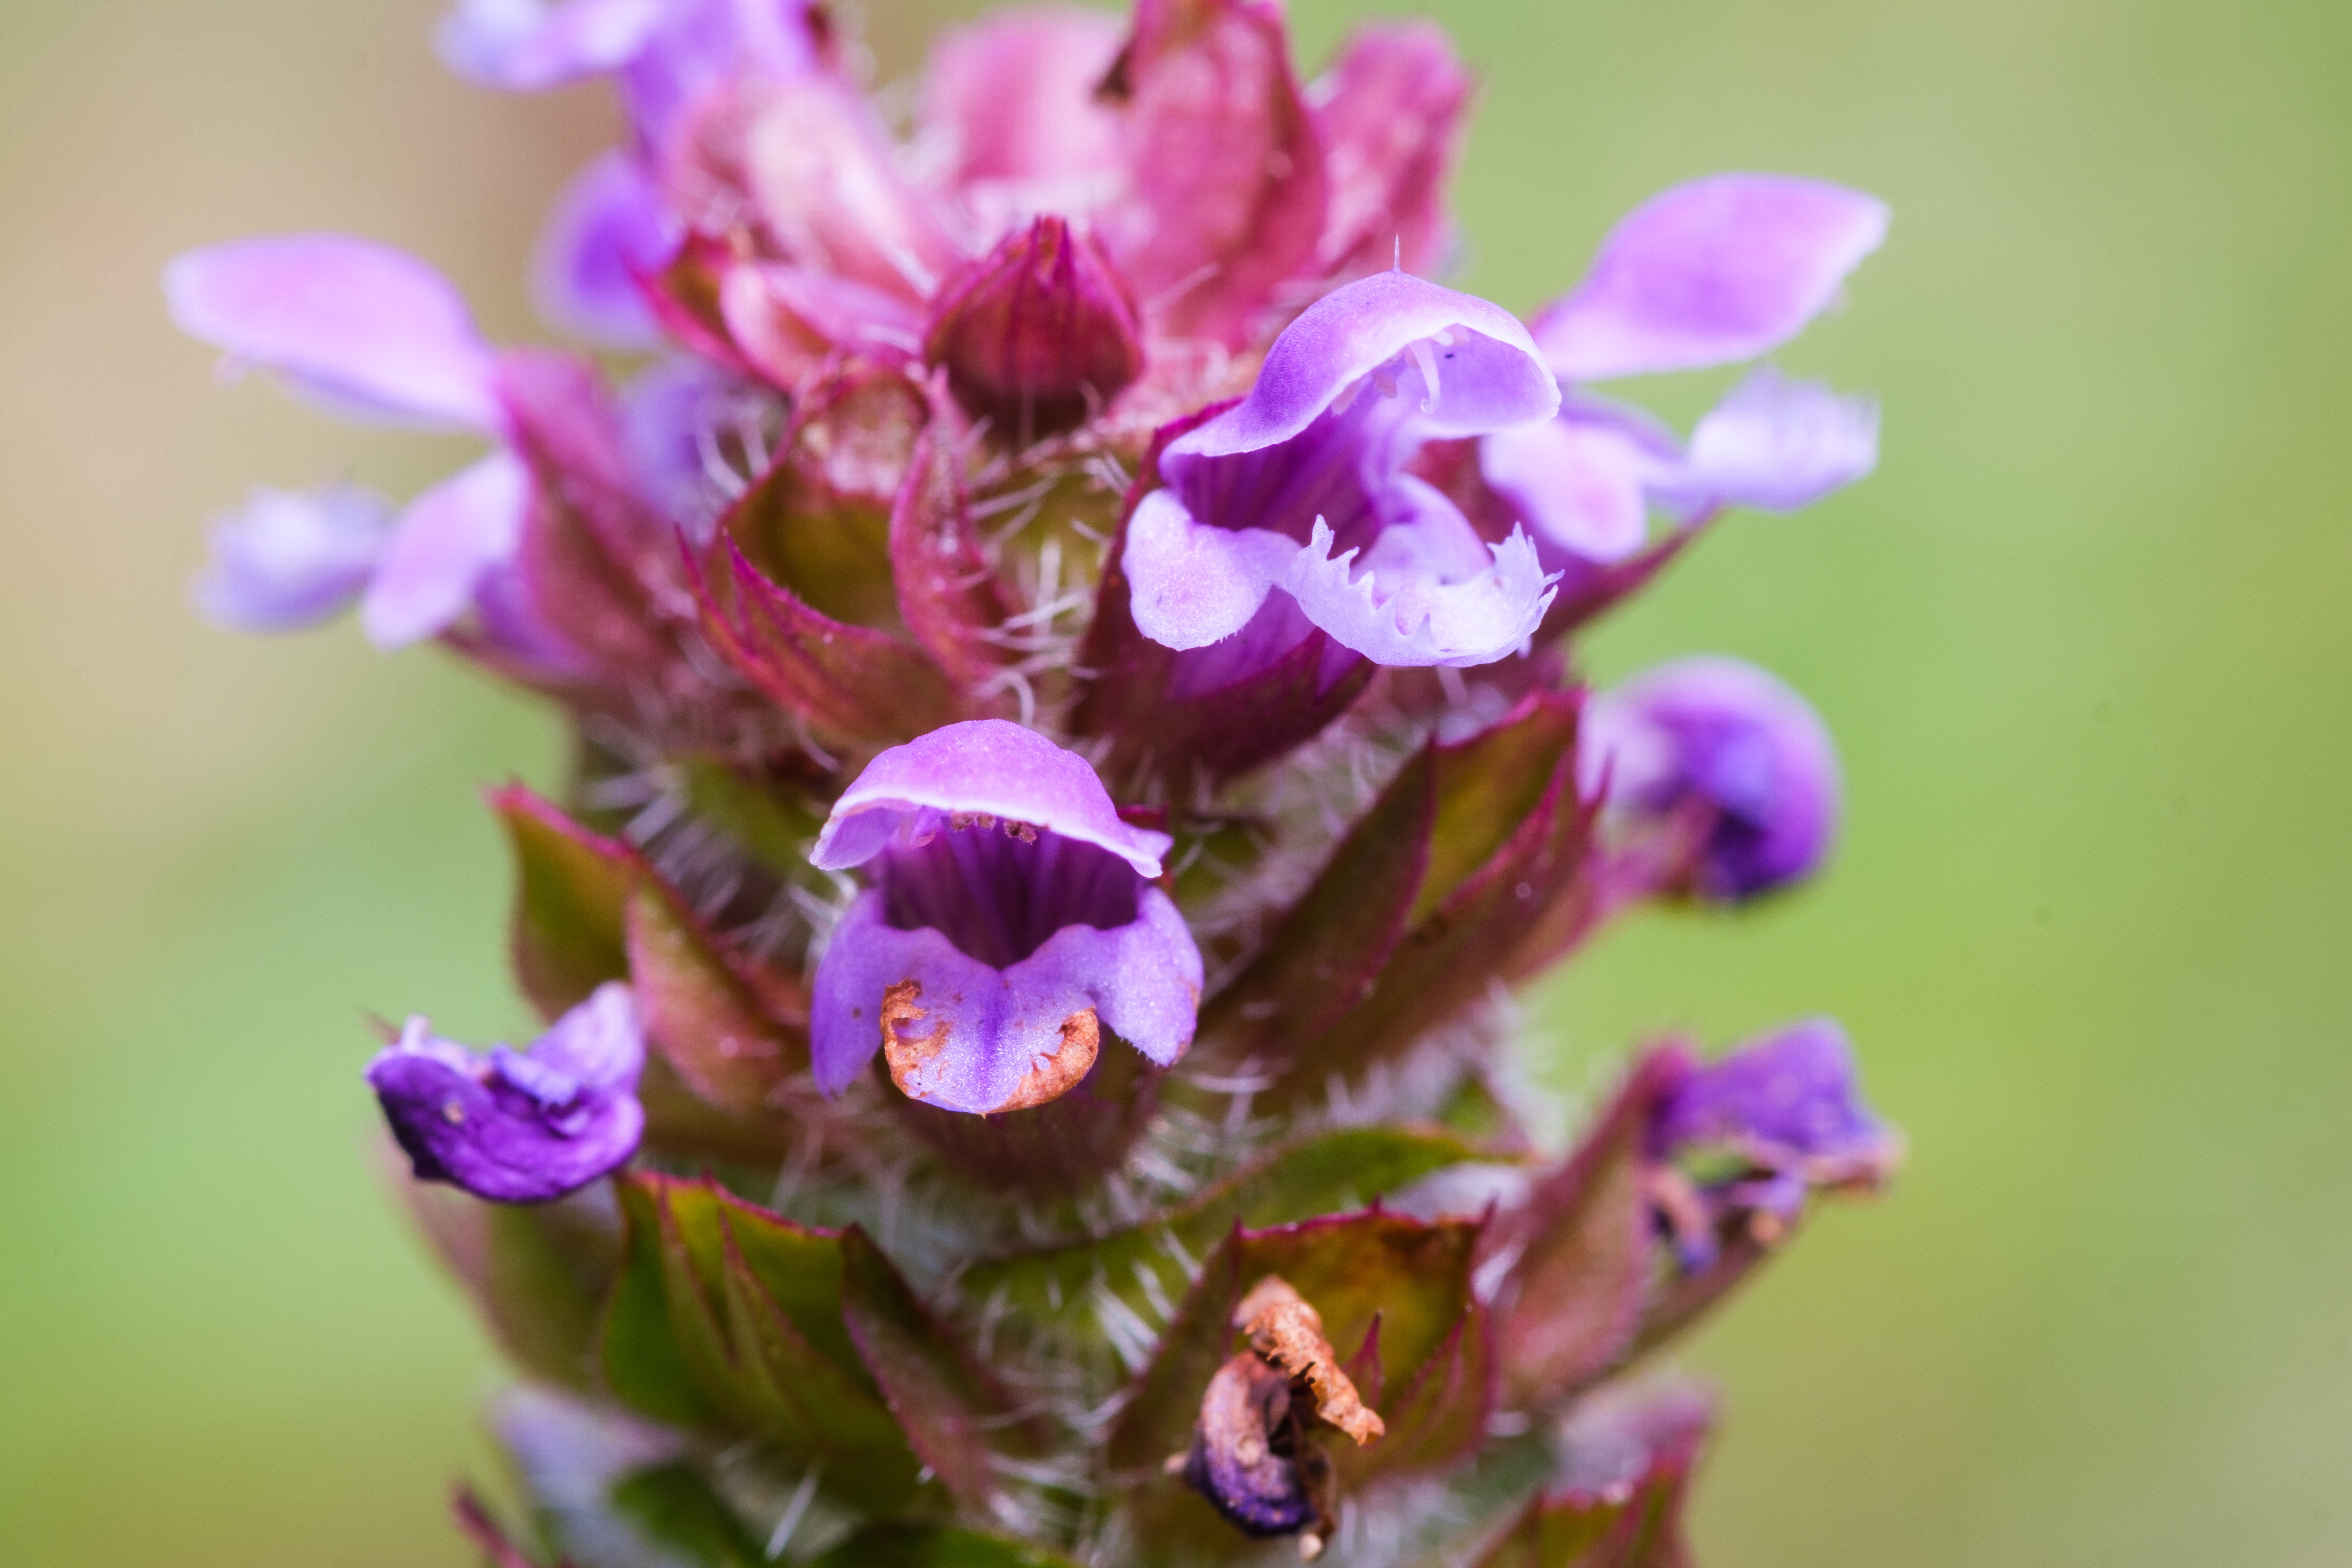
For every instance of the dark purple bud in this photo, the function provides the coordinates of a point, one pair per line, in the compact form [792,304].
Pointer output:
[1249,1456]
[520,1126]
[1787,1112]
[1038,333]
[1720,750]
[1012,922]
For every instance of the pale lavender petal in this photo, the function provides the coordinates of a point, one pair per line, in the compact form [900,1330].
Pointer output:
[1577,484]
[1191,584]
[520,1127]
[1777,445]
[369,329]
[991,1026]
[1724,736]
[447,539]
[608,228]
[530,46]
[1392,325]
[1715,271]
[1418,598]
[291,559]
[980,767]
[706,43]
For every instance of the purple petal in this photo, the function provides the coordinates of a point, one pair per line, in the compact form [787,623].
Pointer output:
[607,228]
[1577,483]
[447,539]
[1193,584]
[991,1026]
[707,43]
[668,411]
[520,1127]
[369,331]
[1725,737]
[1488,373]
[1777,445]
[1790,1100]
[291,558]
[980,767]
[1428,591]
[1711,272]
[530,46]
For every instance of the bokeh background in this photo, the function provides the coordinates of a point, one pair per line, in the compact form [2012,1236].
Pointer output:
[2085,639]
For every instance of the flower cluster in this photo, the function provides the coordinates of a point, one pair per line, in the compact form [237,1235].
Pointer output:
[1068,627]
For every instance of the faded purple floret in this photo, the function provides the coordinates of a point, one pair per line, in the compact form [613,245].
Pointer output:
[1720,748]
[1787,1110]
[291,559]
[368,331]
[450,539]
[1777,445]
[1247,1451]
[1011,920]
[520,1126]
[1299,490]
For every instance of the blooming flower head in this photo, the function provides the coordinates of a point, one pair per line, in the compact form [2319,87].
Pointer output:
[1012,920]
[520,1126]
[1299,490]
[1720,747]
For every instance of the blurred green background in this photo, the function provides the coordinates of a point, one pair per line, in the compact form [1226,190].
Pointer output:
[2085,639]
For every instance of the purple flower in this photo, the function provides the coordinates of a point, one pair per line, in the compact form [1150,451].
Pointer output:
[608,228]
[1788,1111]
[1299,490]
[291,559]
[1712,272]
[520,1126]
[373,333]
[1011,920]
[1725,750]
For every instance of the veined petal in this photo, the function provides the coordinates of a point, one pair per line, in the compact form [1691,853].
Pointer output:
[608,228]
[1489,375]
[370,331]
[1409,604]
[968,1037]
[982,767]
[1711,272]
[520,1126]
[530,46]
[1192,585]
[1778,444]
[445,543]
[291,559]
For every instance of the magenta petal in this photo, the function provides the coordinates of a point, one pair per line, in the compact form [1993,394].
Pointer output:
[1009,102]
[1489,374]
[1142,979]
[1778,444]
[980,767]
[1390,114]
[1429,592]
[530,46]
[291,559]
[607,228]
[370,329]
[444,544]
[1192,585]
[520,1126]
[1711,272]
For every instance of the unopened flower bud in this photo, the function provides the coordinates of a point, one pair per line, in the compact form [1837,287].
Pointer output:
[1038,333]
